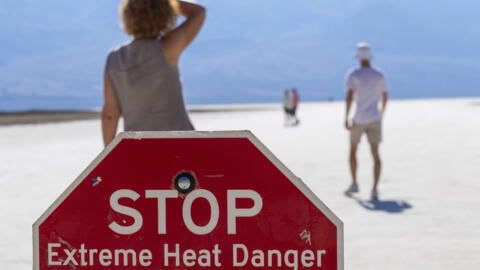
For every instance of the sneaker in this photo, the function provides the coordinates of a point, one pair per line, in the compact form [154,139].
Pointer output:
[352,189]
[374,196]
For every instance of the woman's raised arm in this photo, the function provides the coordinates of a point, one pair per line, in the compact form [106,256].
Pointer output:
[177,40]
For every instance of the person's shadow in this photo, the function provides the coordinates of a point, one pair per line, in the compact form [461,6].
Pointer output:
[392,207]
[389,206]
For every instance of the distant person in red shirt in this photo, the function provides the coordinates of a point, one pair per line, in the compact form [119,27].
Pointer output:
[287,106]
[295,101]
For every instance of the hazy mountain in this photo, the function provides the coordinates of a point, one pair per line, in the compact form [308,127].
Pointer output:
[52,52]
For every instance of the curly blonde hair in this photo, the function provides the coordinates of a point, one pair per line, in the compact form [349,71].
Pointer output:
[148,18]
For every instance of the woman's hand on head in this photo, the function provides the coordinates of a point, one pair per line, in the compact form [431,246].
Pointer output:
[177,40]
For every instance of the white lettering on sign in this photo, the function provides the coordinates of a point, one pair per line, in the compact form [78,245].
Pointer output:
[162,195]
[242,256]
[176,256]
[189,257]
[93,257]
[128,211]
[52,254]
[234,212]
[187,211]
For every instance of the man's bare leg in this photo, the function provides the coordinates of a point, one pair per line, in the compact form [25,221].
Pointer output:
[353,161]
[377,167]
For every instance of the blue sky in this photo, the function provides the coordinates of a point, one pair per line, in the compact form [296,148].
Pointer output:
[52,52]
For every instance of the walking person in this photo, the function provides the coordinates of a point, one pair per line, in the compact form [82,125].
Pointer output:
[287,107]
[295,101]
[367,86]
[141,80]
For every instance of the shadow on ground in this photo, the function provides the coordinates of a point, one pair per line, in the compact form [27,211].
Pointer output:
[392,207]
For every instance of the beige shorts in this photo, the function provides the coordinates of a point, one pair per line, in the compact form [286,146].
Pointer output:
[372,129]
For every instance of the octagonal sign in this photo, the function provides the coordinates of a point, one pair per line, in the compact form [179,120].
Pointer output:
[187,200]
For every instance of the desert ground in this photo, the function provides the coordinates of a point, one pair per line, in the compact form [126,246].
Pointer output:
[427,216]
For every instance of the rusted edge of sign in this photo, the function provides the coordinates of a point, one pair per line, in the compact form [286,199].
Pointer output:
[192,134]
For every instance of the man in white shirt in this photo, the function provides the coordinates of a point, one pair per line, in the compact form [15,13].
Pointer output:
[367,86]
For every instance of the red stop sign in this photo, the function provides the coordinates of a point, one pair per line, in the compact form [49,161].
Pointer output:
[187,200]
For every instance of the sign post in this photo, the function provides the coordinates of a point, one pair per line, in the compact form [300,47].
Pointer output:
[187,200]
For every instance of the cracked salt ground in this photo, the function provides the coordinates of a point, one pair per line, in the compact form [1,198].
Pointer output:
[430,174]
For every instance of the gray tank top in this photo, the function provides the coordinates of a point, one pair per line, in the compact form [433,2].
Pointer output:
[147,87]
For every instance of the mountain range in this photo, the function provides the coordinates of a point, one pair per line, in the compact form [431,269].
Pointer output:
[52,52]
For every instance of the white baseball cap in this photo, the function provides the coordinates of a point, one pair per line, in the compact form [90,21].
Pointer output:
[364,51]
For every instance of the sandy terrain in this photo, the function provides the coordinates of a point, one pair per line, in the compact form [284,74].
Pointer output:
[427,217]
[42,117]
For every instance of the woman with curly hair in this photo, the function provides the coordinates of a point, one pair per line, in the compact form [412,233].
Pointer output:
[141,80]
